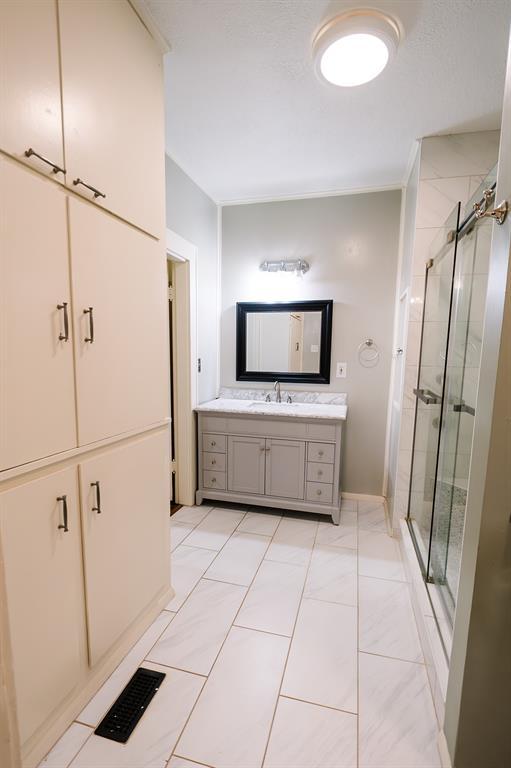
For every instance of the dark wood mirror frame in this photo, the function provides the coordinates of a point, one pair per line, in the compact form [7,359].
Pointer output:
[322,377]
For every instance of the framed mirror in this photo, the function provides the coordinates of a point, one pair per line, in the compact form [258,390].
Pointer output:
[288,341]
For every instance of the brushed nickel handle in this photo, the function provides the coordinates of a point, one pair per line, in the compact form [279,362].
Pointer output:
[213,443]
[64,336]
[320,472]
[95,191]
[55,168]
[97,508]
[90,337]
[320,453]
[267,450]
[319,492]
[213,479]
[63,500]
[213,462]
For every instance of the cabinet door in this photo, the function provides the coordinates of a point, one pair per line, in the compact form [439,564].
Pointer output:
[125,535]
[30,103]
[113,101]
[37,405]
[245,464]
[44,587]
[285,468]
[123,374]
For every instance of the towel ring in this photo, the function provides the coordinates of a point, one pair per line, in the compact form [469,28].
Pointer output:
[368,354]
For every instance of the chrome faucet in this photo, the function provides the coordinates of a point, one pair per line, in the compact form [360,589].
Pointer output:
[276,387]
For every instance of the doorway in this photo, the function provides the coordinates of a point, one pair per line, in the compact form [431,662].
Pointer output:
[184,364]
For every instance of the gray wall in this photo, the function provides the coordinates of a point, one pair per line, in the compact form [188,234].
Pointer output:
[351,243]
[193,215]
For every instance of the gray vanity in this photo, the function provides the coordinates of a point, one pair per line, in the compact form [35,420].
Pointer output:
[284,455]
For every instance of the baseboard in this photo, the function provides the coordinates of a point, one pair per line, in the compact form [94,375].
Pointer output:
[363,497]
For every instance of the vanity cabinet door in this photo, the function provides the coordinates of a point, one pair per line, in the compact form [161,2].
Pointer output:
[245,464]
[285,468]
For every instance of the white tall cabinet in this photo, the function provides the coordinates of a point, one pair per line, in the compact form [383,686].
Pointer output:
[84,374]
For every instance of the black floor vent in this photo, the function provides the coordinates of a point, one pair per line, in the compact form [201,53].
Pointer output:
[121,719]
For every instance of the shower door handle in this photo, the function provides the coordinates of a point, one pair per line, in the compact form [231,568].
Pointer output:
[464,408]
[427,396]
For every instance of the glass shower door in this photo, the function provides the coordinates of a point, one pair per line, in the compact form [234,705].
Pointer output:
[430,386]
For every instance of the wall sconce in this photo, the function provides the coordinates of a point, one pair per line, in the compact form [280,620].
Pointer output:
[299,266]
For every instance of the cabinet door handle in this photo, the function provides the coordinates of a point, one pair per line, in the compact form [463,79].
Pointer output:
[95,191]
[213,479]
[63,526]
[320,472]
[267,450]
[213,443]
[97,508]
[319,492]
[56,168]
[64,336]
[320,453]
[213,462]
[90,337]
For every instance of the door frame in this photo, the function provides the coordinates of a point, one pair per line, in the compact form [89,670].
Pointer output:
[185,385]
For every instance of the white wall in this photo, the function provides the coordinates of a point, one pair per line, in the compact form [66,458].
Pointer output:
[351,243]
[194,216]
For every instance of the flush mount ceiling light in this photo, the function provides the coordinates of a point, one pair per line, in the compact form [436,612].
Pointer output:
[355,47]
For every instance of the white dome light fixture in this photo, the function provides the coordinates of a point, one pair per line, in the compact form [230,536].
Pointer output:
[355,47]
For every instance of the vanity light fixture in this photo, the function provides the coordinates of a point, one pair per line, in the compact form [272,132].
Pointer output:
[355,47]
[299,266]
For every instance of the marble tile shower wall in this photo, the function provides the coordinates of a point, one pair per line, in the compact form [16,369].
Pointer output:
[450,170]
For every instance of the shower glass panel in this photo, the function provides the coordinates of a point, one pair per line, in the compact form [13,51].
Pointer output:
[429,390]
[446,394]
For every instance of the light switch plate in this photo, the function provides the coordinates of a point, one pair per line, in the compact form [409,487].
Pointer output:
[341,370]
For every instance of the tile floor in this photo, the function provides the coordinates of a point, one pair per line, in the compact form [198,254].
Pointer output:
[290,643]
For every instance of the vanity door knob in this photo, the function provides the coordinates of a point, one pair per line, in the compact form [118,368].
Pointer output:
[213,462]
[320,472]
[213,442]
[213,479]
[320,453]
[319,492]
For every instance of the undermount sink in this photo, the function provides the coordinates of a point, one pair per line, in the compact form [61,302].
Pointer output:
[272,404]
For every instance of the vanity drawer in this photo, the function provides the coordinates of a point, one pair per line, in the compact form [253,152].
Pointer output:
[322,452]
[214,479]
[320,492]
[214,461]
[321,473]
[214,443]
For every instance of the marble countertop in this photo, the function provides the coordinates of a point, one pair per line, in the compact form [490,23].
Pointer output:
[262,408]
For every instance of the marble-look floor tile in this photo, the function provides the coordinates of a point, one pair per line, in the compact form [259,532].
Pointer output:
[190,515]
[187,567]
[379,556]
[67,747]
[196,635]
[386,621]
[239,560]
[306,736]
[332,575]
[343,535]
[215,529]
[293,541]
[273,599]
[322,664]
[110,690]
[178,533]
[262,522]
[398,727]
[371,516]
[230,724]
[153,740]
[180,762]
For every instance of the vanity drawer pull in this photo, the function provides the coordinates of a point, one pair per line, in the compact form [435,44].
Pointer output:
[214,461]
[321,452]
[323,473]
[320,492]
[214,480]
[214,443]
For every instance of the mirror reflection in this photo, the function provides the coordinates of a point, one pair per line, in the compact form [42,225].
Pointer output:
[288,342]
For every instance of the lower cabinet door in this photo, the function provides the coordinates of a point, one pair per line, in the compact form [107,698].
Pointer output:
[285,468]
[40,540]
[245,464]
[125,515]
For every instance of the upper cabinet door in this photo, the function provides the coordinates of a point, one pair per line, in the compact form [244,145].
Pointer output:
[37,403]
[30,102]
[112,81]
[119,288]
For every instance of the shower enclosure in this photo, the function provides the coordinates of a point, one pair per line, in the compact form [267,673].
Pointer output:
[452,325]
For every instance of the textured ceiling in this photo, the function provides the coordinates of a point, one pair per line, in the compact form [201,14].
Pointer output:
[248,119]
